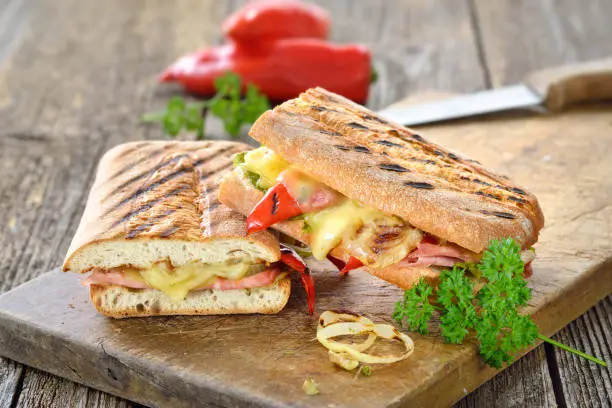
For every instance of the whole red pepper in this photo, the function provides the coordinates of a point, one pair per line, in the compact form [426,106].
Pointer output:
[268,20]
[284,70]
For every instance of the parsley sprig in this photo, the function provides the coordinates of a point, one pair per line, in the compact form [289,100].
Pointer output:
[492,314]
[228,104]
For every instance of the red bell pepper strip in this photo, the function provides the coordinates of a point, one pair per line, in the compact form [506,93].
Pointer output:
[353,263]
[291,258]
[282,71]
[268,20]
[275,206]
[345,267]
[338,263]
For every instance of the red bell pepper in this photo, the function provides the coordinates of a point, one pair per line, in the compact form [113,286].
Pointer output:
[345,267]
[353,263]
[291,258]
[269,20]
[282,71]
[338,263]
[275,206]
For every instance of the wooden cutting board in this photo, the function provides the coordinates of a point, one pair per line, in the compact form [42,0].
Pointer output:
[566,159]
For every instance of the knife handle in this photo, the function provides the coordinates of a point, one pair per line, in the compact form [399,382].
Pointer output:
[571,84]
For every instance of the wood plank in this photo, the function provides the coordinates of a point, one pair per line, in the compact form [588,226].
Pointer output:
[41,389]
[559,32]
[524,384]
[585,384]
[11,374]
[54,134]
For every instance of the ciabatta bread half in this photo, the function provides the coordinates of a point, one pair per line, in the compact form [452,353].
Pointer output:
[157,202]
[393,169]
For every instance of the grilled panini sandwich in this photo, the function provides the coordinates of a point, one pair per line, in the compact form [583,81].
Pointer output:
[155,240]
[363,191]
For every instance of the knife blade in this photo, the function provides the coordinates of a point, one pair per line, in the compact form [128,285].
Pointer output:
[550,90]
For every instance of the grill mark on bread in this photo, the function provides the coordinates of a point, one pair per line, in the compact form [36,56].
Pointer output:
[166,233]
[499,214]
[135,146]
[476,180]
[419,184]
[150,204]
[208,174]
[330,132]
[215,154]
[145,174]
[374,118]
[361,149]
[388,143]
[133,233]
[184,154]
[393,167]
[135,163]
[517,199]
[356,125]
[149,187]
[419,138]
[345,148]
[418,159]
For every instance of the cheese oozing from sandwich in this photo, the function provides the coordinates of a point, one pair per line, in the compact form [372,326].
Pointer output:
[375,238]
[177,281]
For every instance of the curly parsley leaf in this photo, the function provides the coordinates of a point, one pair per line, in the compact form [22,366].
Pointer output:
[415,310]
[493,314]
[455,295]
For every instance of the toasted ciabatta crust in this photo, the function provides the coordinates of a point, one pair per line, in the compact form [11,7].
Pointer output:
[153,201]
[120,302]
[389,167]
[238,193]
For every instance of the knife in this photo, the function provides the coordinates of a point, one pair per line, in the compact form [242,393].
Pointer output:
[548,90]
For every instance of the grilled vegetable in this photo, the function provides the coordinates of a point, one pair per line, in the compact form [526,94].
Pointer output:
[291,258]
[276,205]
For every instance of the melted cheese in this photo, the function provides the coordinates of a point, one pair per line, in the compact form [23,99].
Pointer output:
[267,164]
[177,282]
[338,225]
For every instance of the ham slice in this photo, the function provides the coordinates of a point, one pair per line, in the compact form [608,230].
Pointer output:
[265,278]
[113,277]
[430,254]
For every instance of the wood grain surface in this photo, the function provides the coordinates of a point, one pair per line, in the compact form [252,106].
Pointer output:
[74,75]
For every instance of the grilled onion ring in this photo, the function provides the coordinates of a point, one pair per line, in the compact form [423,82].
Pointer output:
[333,324]
[332,317]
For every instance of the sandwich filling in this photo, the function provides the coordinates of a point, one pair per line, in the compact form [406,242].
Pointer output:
[332,221]
[177,281]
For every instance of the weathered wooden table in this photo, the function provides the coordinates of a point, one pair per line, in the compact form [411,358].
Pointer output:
[75,76]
